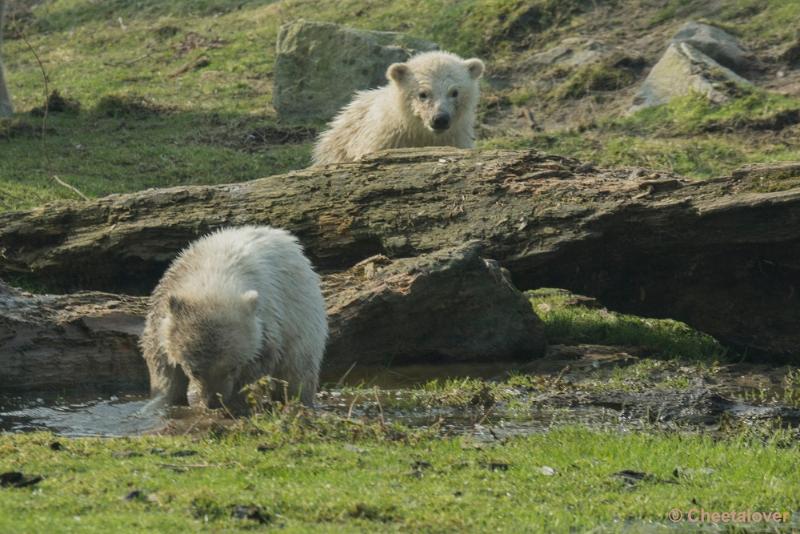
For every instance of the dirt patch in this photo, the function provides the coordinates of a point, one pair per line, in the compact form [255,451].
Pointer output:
[14,127]
[167,31]
[245,136]
[15,479]
[616,73]
[194,41]
[57,103]
[196,64]
[775,122]
[276,135]
[129,106]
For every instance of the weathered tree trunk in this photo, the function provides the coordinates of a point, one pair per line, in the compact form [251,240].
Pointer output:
[448,306]
[722,254]
[70,341]
[6,108]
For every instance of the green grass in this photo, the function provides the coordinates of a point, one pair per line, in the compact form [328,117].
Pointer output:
[100,155]
[326,474]
[695,114]
[566,323]
[690,136]
[194,128]
[760,22]
[594,77]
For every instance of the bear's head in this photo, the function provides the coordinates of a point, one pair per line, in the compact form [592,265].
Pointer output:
[439,88]
[212,340]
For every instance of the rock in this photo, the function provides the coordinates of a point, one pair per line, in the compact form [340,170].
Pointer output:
[700,59]
[717,44]
[320,65]
[791,53]
[571,52]
[683,70]
[448,306]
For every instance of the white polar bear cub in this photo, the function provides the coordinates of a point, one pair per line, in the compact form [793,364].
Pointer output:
[430,100]
[234,306]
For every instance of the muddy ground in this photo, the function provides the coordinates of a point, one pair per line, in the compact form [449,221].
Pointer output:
[602,387]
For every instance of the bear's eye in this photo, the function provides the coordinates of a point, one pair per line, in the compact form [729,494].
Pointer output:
[454,93]
[423,95]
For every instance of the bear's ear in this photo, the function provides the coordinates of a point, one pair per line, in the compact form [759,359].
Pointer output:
[398,72]
[250,299]
[475,67]
[177,306]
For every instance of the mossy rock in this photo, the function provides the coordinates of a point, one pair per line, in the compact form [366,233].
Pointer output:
[320,65]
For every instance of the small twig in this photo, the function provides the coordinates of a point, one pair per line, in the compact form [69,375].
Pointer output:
[561,374]
[345,375]
[224,408]
[193,466]
[380,407]
[127,63]
[352,404]
[46,85]
[191,427]
[72,188]
[486,414]
[45,79]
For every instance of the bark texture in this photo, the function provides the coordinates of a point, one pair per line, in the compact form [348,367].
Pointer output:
[722,254]
[86,339]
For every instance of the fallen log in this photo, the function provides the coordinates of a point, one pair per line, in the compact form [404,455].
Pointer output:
[449,306]
[86,339]
[722,255]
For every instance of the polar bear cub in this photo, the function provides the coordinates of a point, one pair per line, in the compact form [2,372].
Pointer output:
[234,306]
[431,100]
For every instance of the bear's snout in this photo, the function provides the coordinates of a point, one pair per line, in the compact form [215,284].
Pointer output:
[441,122]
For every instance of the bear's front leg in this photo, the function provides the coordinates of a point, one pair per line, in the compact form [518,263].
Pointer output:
[168,383]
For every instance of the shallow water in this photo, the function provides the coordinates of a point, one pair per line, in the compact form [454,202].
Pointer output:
[90,414]
[702,403]
[79,415]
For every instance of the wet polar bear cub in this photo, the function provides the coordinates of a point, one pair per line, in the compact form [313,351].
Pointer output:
[234,306]
[429,101]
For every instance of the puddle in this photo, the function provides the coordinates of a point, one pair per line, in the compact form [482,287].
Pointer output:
[602,387]
[78,415]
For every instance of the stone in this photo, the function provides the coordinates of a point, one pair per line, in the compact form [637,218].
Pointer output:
[683,70]
[717,44]
[320,65]
[570,52]
[447,306]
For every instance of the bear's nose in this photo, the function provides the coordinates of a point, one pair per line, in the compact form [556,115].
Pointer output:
[441,121]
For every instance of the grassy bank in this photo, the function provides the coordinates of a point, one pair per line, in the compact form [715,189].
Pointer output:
[300,472]
[165,94]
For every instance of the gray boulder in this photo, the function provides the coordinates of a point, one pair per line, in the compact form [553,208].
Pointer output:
[570,52]
[717,44]
[320,65]
[683,70]
[447,306]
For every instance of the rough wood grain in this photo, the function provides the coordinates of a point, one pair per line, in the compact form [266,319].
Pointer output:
[86,339]
[722,254]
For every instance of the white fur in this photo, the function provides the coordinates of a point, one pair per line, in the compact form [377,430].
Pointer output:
[258,288]
[394,116]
